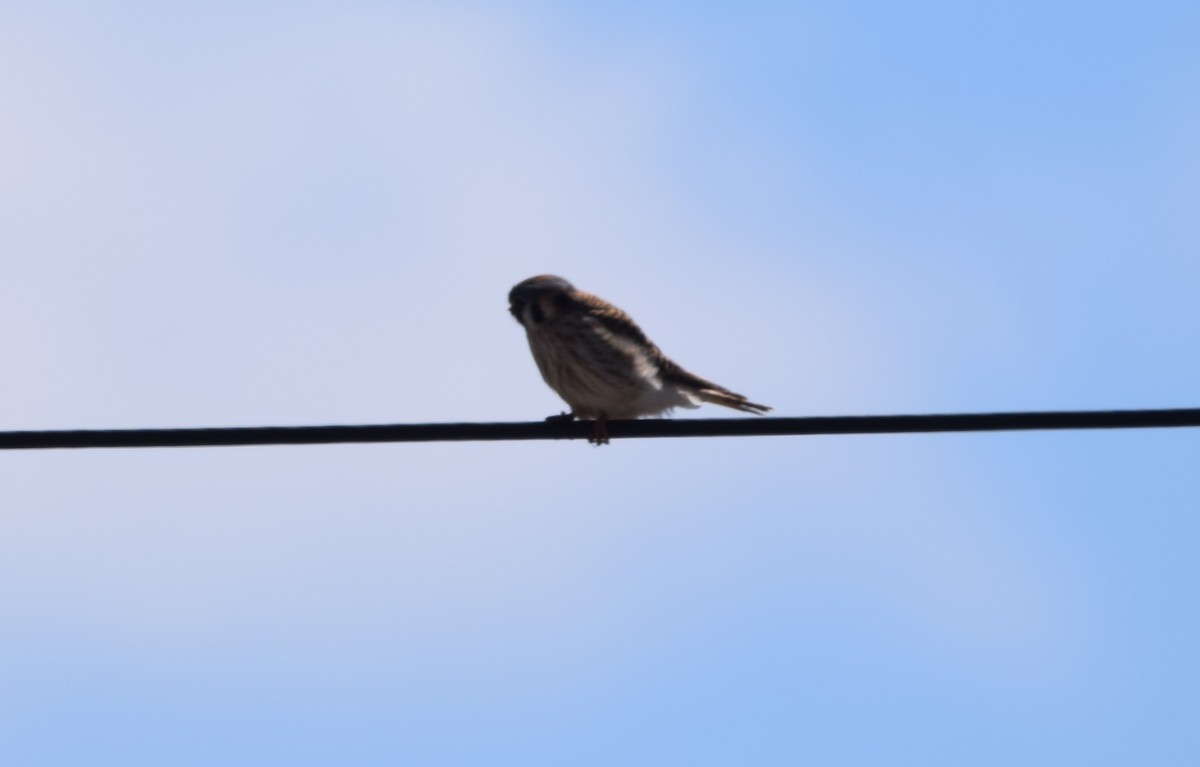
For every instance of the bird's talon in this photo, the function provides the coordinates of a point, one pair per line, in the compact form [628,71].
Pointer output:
[560,418]
[599,432]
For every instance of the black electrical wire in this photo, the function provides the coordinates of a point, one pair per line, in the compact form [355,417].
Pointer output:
[541,430]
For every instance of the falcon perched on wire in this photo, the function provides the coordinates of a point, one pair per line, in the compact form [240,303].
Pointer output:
[601,363]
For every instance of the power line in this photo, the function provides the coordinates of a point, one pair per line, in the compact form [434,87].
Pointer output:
[538,430]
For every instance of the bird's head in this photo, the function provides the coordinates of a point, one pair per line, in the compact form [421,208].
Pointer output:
[537,299]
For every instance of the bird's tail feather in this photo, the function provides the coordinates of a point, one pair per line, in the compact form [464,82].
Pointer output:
[729,399]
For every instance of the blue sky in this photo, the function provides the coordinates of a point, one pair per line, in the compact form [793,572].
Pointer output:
[266,213]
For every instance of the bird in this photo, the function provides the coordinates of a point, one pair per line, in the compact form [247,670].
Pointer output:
[599,361]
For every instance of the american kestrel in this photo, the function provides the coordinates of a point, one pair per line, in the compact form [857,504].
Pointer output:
[600,362]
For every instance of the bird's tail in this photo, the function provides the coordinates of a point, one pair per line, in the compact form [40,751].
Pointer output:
[727,398]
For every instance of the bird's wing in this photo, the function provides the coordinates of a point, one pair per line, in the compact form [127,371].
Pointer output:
[622,326]
[611,318]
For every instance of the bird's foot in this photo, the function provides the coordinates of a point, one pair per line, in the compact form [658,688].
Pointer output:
[599,432]
[599,435]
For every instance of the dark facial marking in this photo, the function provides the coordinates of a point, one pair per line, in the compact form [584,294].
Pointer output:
[563,303]
[536,314]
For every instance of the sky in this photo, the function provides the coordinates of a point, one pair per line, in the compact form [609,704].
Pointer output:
[243,214]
